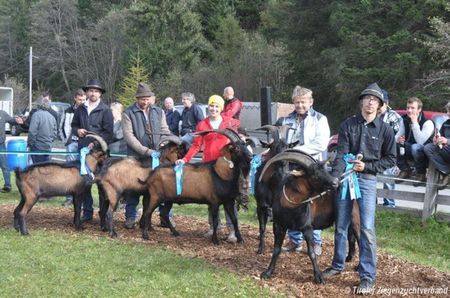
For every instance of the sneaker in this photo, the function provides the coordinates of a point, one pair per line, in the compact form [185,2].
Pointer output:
[421,178]
[129,223]
[231,237]
[291,247]
[366,286]
[404,174]
[317,249]
[86,219]
[329,272]
[6,189]
[443,182]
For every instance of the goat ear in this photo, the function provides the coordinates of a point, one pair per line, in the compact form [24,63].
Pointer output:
[297,173]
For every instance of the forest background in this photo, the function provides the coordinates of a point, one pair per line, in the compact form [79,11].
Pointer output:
[335,48]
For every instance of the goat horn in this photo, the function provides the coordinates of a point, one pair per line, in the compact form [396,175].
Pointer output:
[274,130]
[99,139]
[169,139]
[229,133]
[296,156]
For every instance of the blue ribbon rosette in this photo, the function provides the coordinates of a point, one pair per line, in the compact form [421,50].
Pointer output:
[350,181]
[155,158]
[254,165]
[179,177]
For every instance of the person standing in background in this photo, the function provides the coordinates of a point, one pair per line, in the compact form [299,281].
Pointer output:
[5,118]
[42,132]
[172,116]
[70,140]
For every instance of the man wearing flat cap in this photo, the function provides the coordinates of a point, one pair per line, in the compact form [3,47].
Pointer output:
[92,116]
[366,146]
[139,122]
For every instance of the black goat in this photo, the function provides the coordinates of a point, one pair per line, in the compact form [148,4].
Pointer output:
[302,202]
[120,175]
[213,183]
[50,179]
[265,190]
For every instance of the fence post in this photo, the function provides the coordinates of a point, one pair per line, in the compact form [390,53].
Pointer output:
[429,201]
[266,106]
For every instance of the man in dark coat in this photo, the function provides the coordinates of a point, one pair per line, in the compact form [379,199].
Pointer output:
[92,116]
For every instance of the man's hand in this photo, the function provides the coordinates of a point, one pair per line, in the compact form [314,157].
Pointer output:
[358,165]
[179,161]
[82,132]
[414,117]
[401,140]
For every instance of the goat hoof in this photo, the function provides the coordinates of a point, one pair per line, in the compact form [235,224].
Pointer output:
[176,234]
[260,251]
[25,233]
[113,234]
[145,236]
[266,274]
[215,241]
[318,279]
[348,258]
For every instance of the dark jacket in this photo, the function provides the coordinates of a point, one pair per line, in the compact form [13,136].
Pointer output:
[173,119]
[409,136]
[190,118]
[43,130]
[375,141]
[100,121]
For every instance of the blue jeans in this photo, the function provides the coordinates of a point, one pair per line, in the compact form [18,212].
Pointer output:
[72,147]
[368,246]
[4,167]
[297,237]
[390,186]
[188,138]
[39,158]
[440,157]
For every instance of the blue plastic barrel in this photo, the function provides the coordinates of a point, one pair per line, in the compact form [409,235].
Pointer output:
[17,160]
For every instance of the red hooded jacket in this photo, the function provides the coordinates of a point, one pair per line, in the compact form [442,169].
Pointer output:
[212,142]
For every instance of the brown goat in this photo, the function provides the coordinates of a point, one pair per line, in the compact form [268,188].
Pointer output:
[120,175]
[213,183]
[49,179]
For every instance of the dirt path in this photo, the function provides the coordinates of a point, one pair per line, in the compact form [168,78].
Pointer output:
[294,275]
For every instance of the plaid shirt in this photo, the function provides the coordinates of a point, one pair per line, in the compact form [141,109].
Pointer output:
[392,118]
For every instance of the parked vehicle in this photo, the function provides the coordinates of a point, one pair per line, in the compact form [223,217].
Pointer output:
[438,118]
[7,103]
[58,107]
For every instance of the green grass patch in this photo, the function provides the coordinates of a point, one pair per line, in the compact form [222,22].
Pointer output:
[404,235]
[50,264]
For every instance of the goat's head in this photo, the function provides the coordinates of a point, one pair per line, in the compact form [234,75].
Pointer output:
[236,150]
[98,147]
[277,138]
[171,148]
[315,172]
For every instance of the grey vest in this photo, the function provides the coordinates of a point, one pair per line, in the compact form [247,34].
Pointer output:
[143,130]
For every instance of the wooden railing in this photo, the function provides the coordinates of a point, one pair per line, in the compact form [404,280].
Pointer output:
[430,198]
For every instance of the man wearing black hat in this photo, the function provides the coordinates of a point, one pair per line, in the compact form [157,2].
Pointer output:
[139,121]
[92,116]
[366,147]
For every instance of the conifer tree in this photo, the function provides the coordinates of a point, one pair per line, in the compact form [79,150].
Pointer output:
[136,74]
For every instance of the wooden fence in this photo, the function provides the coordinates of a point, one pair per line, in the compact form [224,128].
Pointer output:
[430,198]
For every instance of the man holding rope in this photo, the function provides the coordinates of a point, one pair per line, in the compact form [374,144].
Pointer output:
[366,147]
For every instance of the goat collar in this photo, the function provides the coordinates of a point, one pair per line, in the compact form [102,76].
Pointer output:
[309,200]
[230,162]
